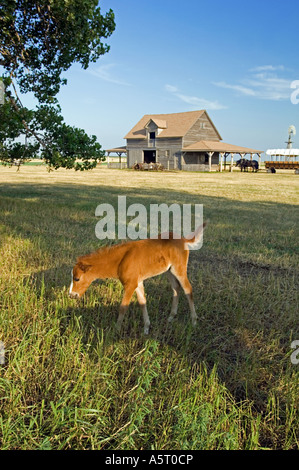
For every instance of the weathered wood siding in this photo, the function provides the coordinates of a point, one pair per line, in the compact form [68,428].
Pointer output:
[195,161]
[203,129]
[167,150]
[152,127]
[135,151]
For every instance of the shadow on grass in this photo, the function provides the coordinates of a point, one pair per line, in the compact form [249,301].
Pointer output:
[62,218]
[245,295]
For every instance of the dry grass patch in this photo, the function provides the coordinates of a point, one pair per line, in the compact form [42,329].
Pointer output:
[69,381]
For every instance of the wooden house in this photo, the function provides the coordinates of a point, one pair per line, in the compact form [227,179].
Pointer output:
[185,141]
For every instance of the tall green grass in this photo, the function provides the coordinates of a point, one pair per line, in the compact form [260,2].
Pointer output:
[70,381]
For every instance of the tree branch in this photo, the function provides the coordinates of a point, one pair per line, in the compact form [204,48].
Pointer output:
[29,130]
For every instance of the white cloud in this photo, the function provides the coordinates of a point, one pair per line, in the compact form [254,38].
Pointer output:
[265,83]
[267,68]
[201,103]
[270,87]
[171,89]
[242,89]
[104,73]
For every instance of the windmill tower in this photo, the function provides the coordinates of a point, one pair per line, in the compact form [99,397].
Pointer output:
[292,131]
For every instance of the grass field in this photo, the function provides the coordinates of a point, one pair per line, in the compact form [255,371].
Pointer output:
[70,381]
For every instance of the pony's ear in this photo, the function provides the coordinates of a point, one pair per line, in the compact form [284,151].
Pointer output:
[84,267]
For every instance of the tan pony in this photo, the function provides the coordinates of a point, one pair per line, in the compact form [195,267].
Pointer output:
[134,261]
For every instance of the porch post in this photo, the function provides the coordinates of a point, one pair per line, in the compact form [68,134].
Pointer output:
[221,162]
[210,160]
[231,162]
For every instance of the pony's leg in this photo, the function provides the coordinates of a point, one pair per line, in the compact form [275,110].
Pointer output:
[175,300]
[142,302]
[181,276]
[129,289]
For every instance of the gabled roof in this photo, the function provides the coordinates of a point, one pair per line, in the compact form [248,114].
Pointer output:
[161,124]
[178,124]
[214,146]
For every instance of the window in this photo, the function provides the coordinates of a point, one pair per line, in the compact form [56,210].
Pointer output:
[152,135]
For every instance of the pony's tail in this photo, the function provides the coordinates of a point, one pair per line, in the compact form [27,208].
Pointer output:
[195,237]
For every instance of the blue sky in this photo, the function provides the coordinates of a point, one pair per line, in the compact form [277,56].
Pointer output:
[234,58]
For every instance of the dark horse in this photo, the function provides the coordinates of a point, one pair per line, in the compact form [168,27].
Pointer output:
[245,164]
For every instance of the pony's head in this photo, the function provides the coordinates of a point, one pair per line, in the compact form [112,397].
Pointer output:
[81,279]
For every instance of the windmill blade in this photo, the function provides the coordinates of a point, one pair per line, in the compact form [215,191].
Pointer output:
[292,130]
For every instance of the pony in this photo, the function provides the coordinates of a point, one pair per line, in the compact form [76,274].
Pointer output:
[134,261]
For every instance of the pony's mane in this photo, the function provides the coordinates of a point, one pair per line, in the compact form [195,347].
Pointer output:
[104,250]
[91,257]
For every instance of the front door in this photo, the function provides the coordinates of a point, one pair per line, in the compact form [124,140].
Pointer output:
[149,156]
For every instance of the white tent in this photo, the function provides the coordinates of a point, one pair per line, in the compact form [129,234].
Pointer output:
[283,152]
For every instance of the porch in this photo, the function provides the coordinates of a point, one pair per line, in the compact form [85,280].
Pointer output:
[214,155]
[117,157]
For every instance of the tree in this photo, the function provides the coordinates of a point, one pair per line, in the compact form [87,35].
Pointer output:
[39,40]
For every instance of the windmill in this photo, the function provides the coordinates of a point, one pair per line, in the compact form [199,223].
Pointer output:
[291,131]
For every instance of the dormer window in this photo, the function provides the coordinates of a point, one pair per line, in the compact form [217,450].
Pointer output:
[154,127]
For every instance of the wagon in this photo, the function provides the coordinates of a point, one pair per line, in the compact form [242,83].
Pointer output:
[282,159]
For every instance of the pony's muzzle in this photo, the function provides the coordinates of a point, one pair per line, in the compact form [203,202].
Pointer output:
[74,295]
